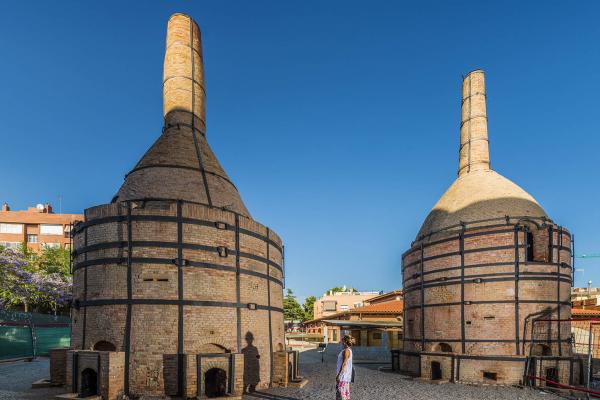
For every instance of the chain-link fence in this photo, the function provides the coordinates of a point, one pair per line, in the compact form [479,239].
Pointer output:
[27,335]
[565,353]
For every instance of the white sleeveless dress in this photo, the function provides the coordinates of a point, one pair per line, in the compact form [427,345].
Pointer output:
[342,390]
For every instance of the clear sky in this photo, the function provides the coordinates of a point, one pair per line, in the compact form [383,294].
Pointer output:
[337,120]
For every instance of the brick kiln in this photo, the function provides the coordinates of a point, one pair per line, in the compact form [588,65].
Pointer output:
[486,261]
[178,291]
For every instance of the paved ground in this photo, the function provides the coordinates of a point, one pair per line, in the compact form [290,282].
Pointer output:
[371,384]
[16,379]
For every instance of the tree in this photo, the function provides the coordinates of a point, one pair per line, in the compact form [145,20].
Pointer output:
[25,279]
[342,289]
[308,306]
[55,260]
[292,311]
[17,279]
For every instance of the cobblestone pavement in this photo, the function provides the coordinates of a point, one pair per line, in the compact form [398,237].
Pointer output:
[16,379]
[372,384]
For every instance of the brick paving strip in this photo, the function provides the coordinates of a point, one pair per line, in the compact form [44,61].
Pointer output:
[371,384]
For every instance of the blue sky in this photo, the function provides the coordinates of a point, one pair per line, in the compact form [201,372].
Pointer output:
[338,121]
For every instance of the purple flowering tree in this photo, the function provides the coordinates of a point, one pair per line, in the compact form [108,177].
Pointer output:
[22,282]
[55,290]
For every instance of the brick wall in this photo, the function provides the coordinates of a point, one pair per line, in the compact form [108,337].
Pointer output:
[58,366]
[154,326]
[490,289]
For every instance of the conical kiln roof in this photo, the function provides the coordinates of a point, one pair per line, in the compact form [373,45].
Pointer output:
[180,165]
[479,193]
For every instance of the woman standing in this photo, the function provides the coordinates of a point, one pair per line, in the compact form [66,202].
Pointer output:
[344,369]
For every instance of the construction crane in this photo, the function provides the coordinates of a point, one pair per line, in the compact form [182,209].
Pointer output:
[591,255]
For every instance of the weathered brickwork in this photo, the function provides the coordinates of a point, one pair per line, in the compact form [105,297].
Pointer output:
[174,268]
[486,261]
[108,367]
[154,327]
[495,278]
[58,366]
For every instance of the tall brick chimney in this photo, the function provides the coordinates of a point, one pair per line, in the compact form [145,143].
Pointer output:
[180,165]
[183,74]
[174,279]
[474,151]
[486,262]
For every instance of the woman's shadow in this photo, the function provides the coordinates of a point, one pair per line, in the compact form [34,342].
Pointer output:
[252,372]
[251,364]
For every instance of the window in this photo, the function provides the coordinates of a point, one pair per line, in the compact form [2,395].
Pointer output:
[344,307]
[32,238]
[490,375]
[222,250]
[10,245]
[329,306]
[50,245]
[376,335]
[46,229]
[529,245]
[11,228]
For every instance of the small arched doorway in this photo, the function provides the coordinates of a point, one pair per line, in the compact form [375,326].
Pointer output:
[215,383]
[89,383]
[436,371]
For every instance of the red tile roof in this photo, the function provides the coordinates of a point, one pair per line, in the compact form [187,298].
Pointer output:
[388,307]
[387,295]
[582,311]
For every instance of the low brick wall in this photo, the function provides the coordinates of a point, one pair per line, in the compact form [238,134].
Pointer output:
[109,367]
[363,353]
[58,366]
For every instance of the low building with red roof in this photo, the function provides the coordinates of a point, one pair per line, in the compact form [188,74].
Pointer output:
[376,324]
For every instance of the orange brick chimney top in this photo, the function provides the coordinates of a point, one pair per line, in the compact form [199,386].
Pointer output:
[474,150]
[184,99]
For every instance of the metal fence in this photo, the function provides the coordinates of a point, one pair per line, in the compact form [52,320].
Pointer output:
[28,335]
[565,353]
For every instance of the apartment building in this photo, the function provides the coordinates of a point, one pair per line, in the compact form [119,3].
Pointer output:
[335,302]
[37,226]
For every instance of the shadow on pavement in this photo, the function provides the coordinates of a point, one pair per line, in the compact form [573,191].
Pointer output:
[262,395]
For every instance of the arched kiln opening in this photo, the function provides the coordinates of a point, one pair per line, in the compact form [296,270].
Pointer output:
[103,345]
[215,383]
[436,371]
[89,383]
[541,350]
[443,347]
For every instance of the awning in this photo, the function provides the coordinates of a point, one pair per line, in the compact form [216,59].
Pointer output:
[362,324]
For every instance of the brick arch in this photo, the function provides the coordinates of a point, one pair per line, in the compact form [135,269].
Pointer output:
[213,348]
[541,350]
[442,347]
[213,345]
[103,345]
